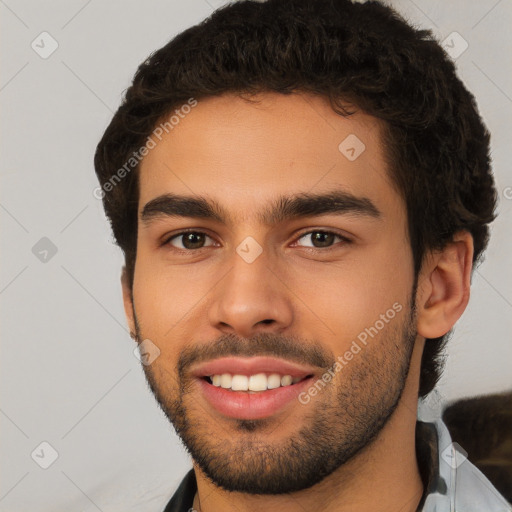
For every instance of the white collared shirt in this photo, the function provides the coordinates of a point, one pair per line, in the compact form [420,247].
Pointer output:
[457,484]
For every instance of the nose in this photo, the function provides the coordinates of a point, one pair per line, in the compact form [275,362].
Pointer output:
[251,298]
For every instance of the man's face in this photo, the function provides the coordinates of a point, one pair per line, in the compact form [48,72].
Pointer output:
[308,289]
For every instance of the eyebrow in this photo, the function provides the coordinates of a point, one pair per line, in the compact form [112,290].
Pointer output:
[281,209]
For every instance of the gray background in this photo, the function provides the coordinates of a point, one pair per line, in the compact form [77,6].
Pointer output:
[68,373]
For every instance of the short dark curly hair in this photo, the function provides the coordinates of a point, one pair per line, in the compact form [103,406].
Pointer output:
[360,54]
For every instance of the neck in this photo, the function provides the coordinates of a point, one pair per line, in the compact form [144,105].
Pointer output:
[383,476]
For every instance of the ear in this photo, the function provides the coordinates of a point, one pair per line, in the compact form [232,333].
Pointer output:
[127,301]
[443,286]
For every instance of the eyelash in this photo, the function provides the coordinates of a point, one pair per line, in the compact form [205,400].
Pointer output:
[344,239]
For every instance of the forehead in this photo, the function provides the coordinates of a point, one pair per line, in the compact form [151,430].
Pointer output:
[243,154]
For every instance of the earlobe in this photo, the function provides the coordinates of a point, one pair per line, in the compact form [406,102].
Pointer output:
[127,301]
[444,286]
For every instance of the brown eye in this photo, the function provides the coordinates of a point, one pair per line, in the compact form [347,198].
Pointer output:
[189,240]
[319,239]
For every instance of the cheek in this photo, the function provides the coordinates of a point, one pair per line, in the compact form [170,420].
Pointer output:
[350,296]
[165,297]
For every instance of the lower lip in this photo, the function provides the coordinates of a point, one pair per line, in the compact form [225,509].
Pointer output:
[251,406]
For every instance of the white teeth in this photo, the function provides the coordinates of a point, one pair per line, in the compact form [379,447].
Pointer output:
[273,381]
[286,380]
[257,382]
[225,380]
[240,383]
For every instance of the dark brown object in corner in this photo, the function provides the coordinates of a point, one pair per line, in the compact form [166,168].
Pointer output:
[483,427]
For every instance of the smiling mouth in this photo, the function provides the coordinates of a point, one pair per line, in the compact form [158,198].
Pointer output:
[256,383]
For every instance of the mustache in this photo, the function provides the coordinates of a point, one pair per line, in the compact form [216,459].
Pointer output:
[290,348]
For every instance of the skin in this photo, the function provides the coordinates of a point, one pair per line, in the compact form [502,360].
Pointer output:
[294,295]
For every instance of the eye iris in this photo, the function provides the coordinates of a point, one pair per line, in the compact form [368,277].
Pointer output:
[324,239]
[193,240]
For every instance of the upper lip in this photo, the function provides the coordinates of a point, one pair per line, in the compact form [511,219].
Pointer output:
[251,366]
